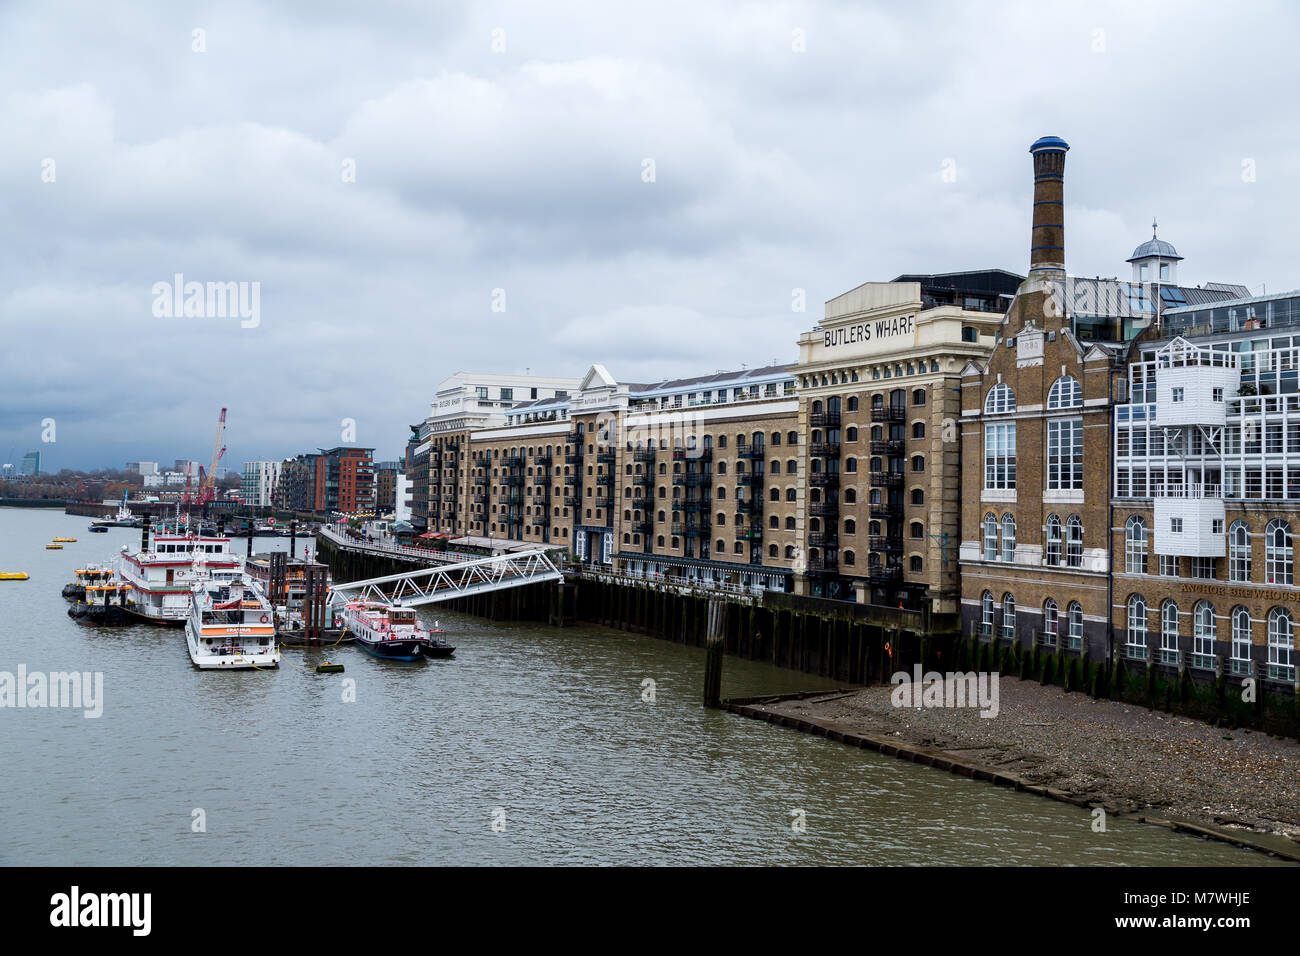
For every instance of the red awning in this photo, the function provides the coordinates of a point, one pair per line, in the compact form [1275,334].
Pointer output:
[428,534]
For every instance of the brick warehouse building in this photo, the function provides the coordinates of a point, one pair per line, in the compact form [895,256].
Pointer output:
[1059,517]
[830,476]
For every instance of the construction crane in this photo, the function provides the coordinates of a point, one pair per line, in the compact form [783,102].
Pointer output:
[208,483]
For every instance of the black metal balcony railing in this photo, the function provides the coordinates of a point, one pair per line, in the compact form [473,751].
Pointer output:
[689,454]
[543,500]
[749,534]
[888,413]
[698,479]
[480,497]
[823,539]
[543,516]
[886,479]
[698,530]
[750,452]
[825,449]
[643,454]
[512,496]
[543,460]
[642,526]
[572,501]
[749,506]
[605,481]
[695,504]
[823,565]
[512,461]
[889,446]
[886,543]
[824,479]
[824,419]
[574,438]
[889,509]
[513,481]
[824,509]
[677,528]
[889,574]
[646,480]
[605,456]
[572,459]
[750,478]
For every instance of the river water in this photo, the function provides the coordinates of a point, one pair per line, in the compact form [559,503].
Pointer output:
[533,746]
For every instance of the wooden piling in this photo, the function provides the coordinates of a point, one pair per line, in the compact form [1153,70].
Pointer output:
[713,652]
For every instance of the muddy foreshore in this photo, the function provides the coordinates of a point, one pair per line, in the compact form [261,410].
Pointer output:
[1127,759]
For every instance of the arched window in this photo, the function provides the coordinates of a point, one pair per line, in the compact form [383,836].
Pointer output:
[1281,642]
[1137,627]
[1135,545]
[1051,623]
[1008,537]
[918,463]
[789,552]
[1008,617]
[918,496]
[789,523]
[1239,552]
[1240,640]
[1278,553]
[990,537]
[986,614]
[1075,615]
[1169,633]
[850,526]
[1000,399]
[1074,542]
[772,551]
[849,558]
[918,429]
[917,530]
[850,496]
[915,563]
[918,396]
[1065,393]
[1053,542]
[1203,636]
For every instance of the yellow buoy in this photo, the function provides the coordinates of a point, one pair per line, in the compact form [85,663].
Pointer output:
[13,575]
[54,547]
[66,539]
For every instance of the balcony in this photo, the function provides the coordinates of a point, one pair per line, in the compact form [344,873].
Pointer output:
[824,509]
[574,438]
[752,478]
[697,454]
[824,479]
[605,456]
[480,497]
[891,447]
[512,461]
[750,452]
[823,539]
[825,449]
[1194,510]
[824,419]
[643,454]
[513,481]
[512,496]
[700,530]
[885,576]
[572,501]
[694,504]
[543,500]
[572,459]
[821,564]
[889,413]
[886,543]
[886,479]
[749,506]
[543,460]
[700,479]
[677,528]
[605,481]
[646,480]
[642,526]
[749,534]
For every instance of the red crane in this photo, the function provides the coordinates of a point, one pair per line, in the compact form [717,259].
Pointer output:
[208,484]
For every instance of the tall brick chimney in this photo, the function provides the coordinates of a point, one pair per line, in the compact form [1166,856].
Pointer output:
[1047,239]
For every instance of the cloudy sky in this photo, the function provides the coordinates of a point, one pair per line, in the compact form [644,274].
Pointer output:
[379,169]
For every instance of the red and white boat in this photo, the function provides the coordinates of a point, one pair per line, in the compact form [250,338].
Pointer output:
[175,561]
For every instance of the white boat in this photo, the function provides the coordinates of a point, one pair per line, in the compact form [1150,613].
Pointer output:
[162,576]
[391,632]
[124,518]
[230,627]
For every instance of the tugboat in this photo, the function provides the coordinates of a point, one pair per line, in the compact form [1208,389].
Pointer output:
[75,590]
[393,633]
[434,647]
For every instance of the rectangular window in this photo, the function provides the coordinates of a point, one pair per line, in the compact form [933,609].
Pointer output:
[507,394]
[1216,394]
[1176,395]
[1065,454]
[1000,455]
[1169,565]
[1176,525]
[1203,568]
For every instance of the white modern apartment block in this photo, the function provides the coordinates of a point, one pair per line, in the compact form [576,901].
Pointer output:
[480,399]
[258,484]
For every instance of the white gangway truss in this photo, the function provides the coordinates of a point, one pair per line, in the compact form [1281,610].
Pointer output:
[450,581]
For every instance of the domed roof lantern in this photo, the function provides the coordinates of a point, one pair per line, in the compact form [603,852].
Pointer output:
[1154,247]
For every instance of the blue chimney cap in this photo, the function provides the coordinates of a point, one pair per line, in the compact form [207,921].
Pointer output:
[1049,144]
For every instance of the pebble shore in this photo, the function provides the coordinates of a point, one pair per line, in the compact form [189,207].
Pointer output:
[1127,759]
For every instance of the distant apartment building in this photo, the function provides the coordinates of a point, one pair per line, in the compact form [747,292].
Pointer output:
[7,470]
[142,467]
[31,464]
[386,475]
[258,483]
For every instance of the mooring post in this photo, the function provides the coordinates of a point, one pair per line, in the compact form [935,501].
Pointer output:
[713,649]
[293,538]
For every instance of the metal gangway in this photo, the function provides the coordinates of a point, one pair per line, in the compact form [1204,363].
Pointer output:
[450,581]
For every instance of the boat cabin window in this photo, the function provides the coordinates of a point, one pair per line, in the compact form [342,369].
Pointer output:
[405,616]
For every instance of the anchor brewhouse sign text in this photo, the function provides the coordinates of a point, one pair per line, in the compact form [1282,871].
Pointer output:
[870,331]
